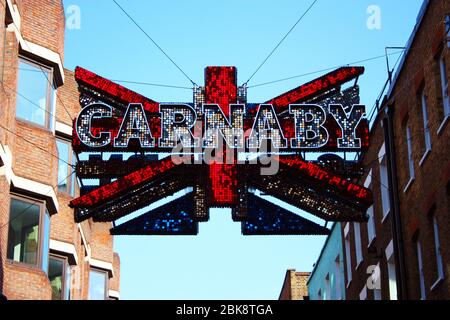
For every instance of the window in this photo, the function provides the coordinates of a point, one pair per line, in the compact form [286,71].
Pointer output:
[437,248]
[377,281]
[384,182]
[371,233]
[359,254]
[447,29]
[363,294]
[319,294]
[98,284]
[426,124]
[444,86]
[410,157]
[337,277]
[29,232]
[35,94]
[420,267]
[391,271]
[59,276]
[348,258]
[66,180]
[327,295]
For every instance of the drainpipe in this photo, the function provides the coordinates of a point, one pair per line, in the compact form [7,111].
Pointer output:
[397,234]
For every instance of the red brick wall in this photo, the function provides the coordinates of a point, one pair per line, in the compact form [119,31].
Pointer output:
[102,242]
[26,283]
[429,187]
[114,283]
[43,23]
[68,98]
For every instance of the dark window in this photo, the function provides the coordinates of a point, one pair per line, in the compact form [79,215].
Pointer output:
[444,86]
[447,29]
[66,180]
[59,276]
[35,93]
[98,285]
[29,232]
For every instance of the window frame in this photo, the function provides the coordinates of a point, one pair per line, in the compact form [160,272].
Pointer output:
[423,294]
[66,265]
[51,91]
[348,254]
[96,270]
[384,184]
[437,250]
[42,211]
[327,287]
[72,183]
[426,126]
[410,157]
[337,277]
[447,29]
[358,244]
[371,224]
[445,87]
[392,272]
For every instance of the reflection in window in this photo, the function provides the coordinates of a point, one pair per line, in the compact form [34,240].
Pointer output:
[97,285]
[66,180]
[29,233]
[35,94]
[59,276]
[56,276]
[23,236]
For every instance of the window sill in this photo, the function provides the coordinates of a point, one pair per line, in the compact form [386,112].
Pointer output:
[410,182]
[437,283]
[443,125]
[33,125]
[425,156]
[24,266]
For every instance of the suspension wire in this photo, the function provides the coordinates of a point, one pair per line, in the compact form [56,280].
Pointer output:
[35,145]
[30,101]
[153,84]
[154,42]
[280,42]
[324,70]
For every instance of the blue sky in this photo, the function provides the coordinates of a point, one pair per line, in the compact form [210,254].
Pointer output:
[220,263]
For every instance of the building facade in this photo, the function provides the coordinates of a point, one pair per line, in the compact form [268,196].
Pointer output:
[403,251]
[294,286]
[44,253]
[327,278]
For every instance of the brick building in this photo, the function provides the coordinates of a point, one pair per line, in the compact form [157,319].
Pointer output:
[294,286]
[44,253]
[405,245]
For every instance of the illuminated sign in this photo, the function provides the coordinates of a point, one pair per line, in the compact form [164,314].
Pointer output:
[230,152]
[177,123]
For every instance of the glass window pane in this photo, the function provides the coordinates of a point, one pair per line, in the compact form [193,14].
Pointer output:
[63,167]
[33,89]
[97,285]
[23,235]
[55,275]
